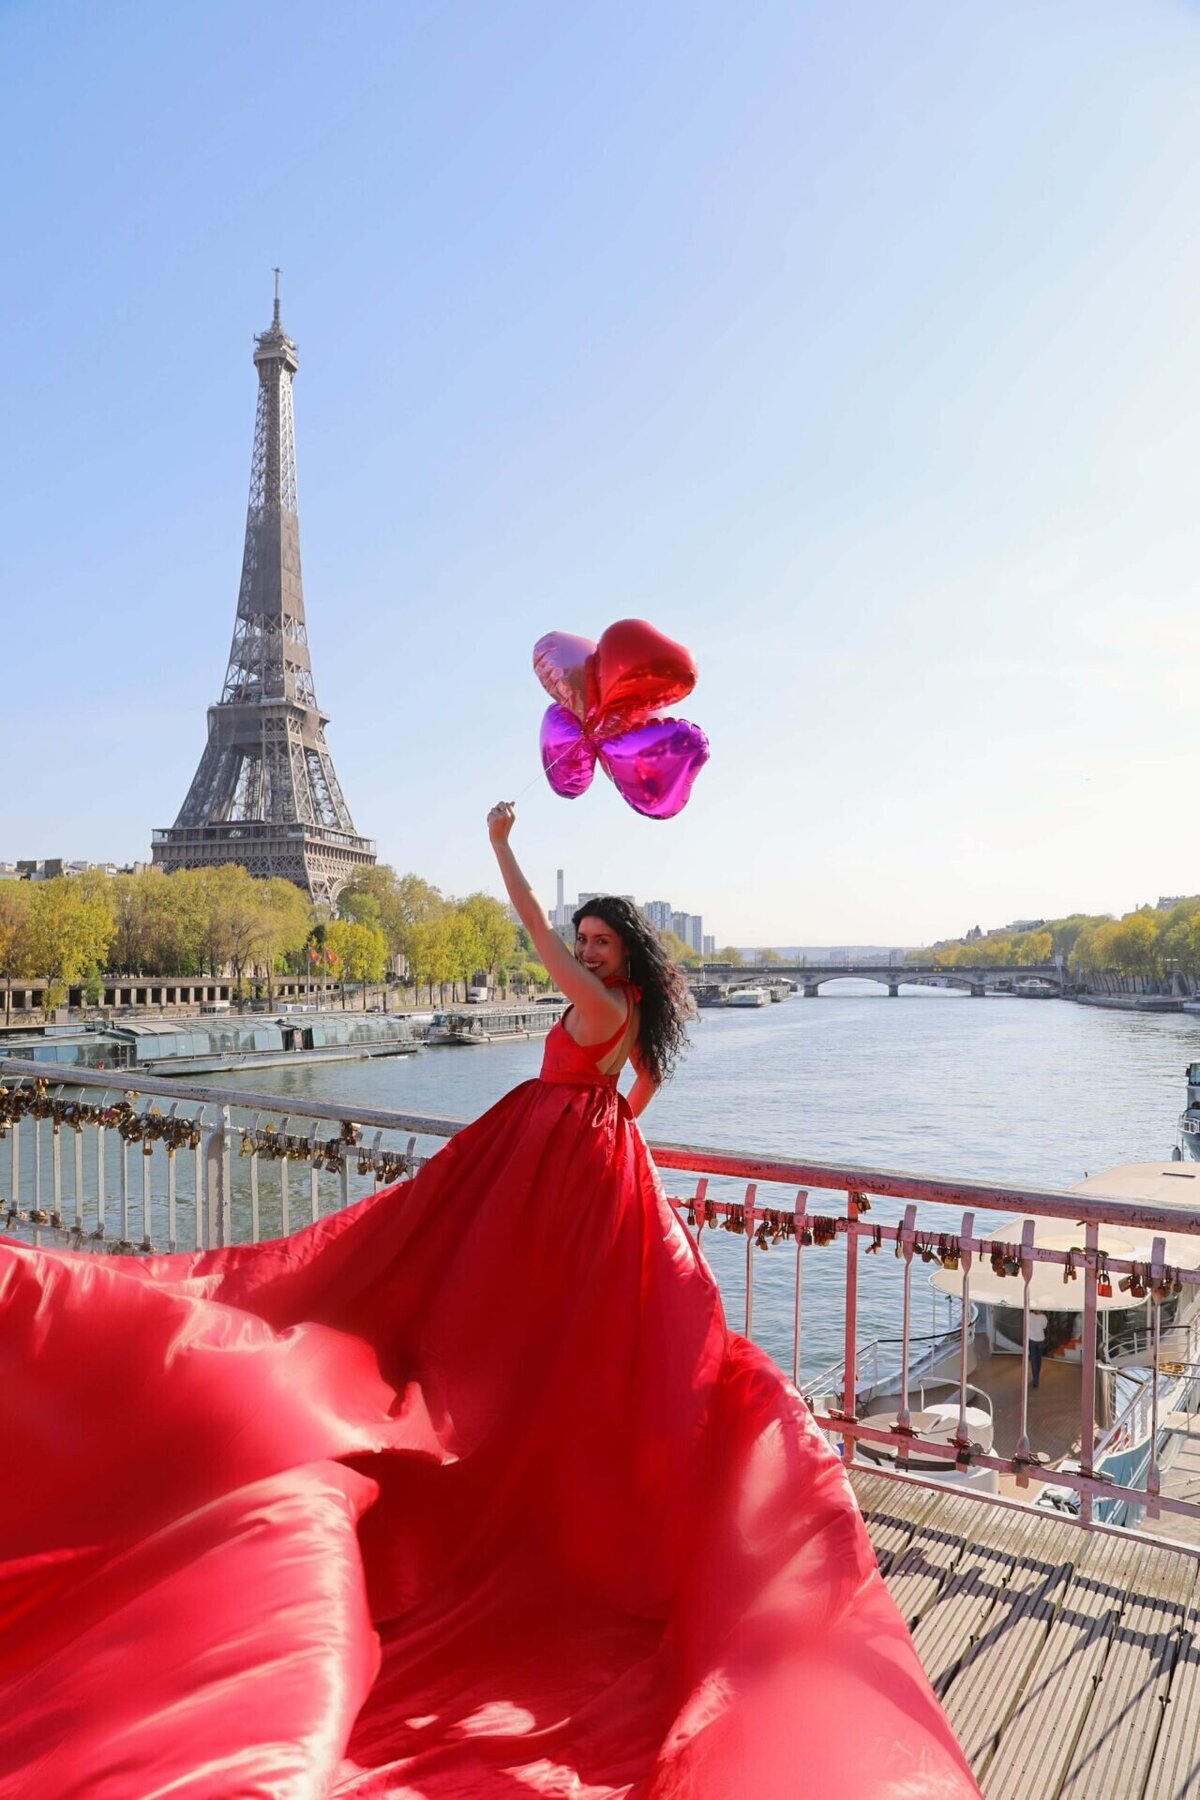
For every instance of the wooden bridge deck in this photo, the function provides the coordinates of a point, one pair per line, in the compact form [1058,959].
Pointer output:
[1067,1661]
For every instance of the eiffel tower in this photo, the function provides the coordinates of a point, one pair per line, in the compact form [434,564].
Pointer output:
[265,794]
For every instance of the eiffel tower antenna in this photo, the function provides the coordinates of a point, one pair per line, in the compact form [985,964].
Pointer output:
[265,794]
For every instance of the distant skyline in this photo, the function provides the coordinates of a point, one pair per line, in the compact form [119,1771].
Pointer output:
[853,347]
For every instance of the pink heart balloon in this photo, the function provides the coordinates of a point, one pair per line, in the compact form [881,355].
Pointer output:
[567,757]
[653,767]
[566,668]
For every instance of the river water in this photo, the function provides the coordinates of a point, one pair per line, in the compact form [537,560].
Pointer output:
[934,1082]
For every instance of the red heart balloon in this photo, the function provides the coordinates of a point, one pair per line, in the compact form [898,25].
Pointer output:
[638,672]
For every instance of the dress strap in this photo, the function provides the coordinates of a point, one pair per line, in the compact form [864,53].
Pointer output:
[620,1042]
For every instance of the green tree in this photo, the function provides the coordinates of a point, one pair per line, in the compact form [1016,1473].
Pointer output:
[495,931]
[130,950]
[1179,939]
[285,923]
[1095,948]
[361,908]
[235,922]
[1136,944]
[405,902]
[15,910]
[361,952]
[465,950]
[71,925]
[429,953]
[731,956]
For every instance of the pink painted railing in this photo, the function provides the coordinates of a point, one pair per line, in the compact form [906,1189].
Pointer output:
[192,1191]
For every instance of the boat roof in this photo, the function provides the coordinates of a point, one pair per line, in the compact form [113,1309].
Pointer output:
[1161,1184]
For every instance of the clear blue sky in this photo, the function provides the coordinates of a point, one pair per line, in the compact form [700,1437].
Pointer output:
[856,346]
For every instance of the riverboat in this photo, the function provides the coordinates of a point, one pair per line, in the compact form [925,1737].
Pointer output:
[750,996]
[1138,1416]
[1189,1118]
[491,1024]
[187,1046]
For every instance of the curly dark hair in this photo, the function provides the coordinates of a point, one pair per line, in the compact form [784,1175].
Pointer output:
[665,1002]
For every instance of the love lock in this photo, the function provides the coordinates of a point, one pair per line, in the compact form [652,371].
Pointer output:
[1070,1272]
[1103,1279]
[876,1243]
[1012,1264]
[1137,1282]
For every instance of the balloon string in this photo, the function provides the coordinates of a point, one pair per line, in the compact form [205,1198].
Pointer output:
[546,768]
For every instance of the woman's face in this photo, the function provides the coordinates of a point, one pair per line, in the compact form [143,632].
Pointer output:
[598,948]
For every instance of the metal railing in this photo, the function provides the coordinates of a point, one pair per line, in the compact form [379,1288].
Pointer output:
[209,1179]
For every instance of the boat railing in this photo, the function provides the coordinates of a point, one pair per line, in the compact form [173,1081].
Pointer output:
[1177,1369]
[219,1166]
[878,1363]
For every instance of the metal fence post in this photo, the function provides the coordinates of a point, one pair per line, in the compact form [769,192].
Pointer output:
[1087,1394]
[217,1183]
[850,1381]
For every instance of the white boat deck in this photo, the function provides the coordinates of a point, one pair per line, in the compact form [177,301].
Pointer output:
[1181,1481]
[1067,1661]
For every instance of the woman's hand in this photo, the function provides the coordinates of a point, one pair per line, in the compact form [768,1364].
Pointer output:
[500,821]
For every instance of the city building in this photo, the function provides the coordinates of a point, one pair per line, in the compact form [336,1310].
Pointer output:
[658,913]
[48,868]
[265,793]
[689,927]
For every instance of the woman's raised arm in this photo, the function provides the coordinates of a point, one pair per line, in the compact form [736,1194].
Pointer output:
[601,1009]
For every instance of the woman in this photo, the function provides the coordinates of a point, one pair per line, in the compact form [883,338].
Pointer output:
[628,1000]
[465,1493]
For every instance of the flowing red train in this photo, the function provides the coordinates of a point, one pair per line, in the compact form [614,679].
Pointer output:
[464,1492]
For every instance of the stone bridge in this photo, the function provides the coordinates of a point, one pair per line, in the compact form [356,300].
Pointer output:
[893,976]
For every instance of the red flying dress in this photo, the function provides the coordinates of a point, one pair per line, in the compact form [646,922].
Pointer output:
[465,1493]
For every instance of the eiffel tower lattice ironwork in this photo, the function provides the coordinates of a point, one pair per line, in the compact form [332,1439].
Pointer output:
[265,794]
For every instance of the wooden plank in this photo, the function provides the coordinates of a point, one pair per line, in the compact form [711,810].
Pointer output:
[916,1577]
[944,1635]
[1037,1743]
[984,1691]
[1175,1766]
[893,1511]
[1114,1753]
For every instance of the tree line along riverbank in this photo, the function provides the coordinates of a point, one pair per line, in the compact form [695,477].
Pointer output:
[75,933]
[1147,945]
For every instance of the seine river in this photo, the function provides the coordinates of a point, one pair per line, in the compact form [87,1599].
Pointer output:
[933,1082]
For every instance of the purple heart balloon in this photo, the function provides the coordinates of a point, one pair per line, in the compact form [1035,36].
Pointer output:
[654,766]
[567,757]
